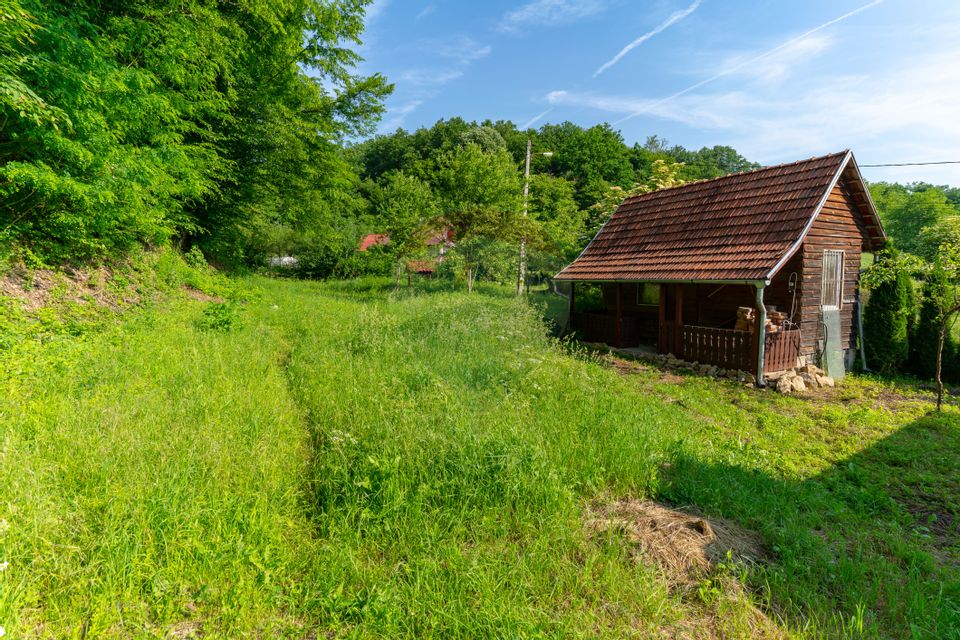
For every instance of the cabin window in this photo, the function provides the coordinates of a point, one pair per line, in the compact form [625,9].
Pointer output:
[831,292]
[648,295]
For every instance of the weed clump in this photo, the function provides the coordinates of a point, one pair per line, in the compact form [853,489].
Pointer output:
[218,316]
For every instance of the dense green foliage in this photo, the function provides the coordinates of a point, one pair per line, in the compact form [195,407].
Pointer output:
[224,125]
[919,217]
[887,318]
[925,337]
[132,123]
[572,190]
[339,461]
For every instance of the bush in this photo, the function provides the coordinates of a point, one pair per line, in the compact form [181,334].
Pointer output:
[925,337]
[951,363]
[375,261]
[885,321]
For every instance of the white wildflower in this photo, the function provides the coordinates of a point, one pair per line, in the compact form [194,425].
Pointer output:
[4,566]
[3,632]
[4,525]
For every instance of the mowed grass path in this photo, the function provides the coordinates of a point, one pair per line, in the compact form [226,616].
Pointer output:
[346,460]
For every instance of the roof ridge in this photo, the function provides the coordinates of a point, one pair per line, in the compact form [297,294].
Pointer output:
[738,174]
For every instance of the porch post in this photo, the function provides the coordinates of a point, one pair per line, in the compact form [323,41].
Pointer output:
[619,325]
[661,327]
[570,303]
[761,335]
[678,322]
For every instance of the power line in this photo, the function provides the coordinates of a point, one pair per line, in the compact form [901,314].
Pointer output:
[911,164]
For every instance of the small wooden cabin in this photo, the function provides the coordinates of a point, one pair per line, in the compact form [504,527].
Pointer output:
[748,271]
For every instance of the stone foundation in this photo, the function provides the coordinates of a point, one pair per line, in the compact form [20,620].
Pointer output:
[805,378]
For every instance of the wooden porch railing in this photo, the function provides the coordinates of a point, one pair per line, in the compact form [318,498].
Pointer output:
[781,350]
[733,349]
[602,327]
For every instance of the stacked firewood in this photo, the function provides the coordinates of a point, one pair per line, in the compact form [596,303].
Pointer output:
[746,319]
[775,320]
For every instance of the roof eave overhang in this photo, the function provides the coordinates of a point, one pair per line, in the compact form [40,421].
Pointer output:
[816,212]
[870,204]
[758,282]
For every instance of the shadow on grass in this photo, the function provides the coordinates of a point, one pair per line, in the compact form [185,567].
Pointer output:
[871,544]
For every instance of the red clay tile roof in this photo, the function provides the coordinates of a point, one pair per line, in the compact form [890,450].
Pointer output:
[444,237]
[421,266]
[737,227]
[372,240]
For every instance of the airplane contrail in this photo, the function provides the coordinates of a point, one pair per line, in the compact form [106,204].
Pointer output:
[675,17]
[757,58]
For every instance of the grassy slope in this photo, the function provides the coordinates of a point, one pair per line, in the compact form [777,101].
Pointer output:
[332,459]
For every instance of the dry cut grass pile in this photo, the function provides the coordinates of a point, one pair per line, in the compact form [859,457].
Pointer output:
[694,554]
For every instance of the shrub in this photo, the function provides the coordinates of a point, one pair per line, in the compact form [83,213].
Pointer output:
[951,363]
[375,261]
[886,318]
[925,337]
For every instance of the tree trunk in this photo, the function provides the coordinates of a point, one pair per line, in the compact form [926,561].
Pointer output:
[469,279]
[943,339]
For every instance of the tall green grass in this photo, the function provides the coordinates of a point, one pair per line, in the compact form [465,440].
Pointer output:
[360,460]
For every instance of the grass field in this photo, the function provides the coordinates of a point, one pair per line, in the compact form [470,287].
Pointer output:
[301,460]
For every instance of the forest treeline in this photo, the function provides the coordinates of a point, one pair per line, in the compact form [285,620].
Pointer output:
[234,127]
[245,129]
[140,122]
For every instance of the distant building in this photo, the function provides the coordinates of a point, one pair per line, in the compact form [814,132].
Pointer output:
[438,243]
[373,240]
[286,262]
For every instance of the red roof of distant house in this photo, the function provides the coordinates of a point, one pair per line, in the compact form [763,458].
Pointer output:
[421,266]
[740,227]
[373,240]
[442,237]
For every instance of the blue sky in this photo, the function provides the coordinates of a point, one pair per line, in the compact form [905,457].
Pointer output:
[778,80]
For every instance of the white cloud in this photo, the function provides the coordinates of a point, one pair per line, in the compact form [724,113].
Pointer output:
[780,65]
[760,57]
[675,17]
[415,86]
[905,113]
[426,11]
[463,49]
[631,105]
[425,77]
[537,118]
[375,10]
[396,117]
[548,13]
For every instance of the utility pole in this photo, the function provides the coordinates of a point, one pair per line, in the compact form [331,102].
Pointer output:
[522,266]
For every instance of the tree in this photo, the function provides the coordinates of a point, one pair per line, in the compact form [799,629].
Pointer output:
[925,336]
[946,302]
[405,208]
[934,237]
[480,199]
[138,122]
[663,175]
[594,158]
[556,228]
[17,100]
[885,318]
[487,138]
[906,211]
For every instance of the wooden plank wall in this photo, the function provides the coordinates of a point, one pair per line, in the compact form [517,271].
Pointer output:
[709,305]
[841,227]
[646,317]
